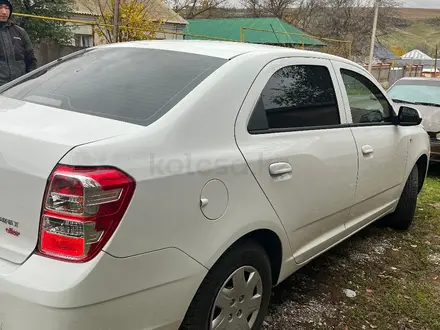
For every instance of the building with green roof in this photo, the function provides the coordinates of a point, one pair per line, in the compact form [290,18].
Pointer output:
[230,28]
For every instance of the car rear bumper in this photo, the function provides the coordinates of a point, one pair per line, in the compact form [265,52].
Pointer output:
[150,291]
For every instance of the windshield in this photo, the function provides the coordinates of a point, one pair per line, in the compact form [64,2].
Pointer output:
[135,85]
[416,92]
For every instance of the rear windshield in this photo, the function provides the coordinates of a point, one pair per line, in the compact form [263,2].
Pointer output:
[135,85]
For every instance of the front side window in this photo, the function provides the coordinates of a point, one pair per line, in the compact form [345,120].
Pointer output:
[367,103]
[130,84]
[297,96]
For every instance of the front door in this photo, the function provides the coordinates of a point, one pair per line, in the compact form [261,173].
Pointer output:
[382,146]
[291,132]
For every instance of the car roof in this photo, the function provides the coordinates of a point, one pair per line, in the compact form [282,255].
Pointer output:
[420,79]
[417,80]
[222,49]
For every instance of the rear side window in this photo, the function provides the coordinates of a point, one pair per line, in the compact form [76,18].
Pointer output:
[135,85]
[300,96]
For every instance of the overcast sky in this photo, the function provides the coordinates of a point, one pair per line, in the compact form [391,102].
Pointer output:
[422,3]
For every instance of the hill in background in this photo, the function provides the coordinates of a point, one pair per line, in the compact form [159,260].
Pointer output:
[419,13]
[417,29]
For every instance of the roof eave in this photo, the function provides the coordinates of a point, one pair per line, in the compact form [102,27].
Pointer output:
[184,22]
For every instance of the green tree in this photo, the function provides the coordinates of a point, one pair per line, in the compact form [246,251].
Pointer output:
[38,29]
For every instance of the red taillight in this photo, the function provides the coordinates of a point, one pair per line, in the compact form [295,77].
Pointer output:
[82,208]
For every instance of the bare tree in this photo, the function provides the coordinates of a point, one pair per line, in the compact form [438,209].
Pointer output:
[304,15]
[278,8]
[199,8]
[349,20]
[255,8]
[274,8]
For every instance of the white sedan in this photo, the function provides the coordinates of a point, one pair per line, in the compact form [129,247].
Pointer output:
[171,184]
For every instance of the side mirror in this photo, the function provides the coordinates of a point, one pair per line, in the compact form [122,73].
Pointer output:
[409,116]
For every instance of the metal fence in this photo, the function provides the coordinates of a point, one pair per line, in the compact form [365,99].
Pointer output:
[388,74]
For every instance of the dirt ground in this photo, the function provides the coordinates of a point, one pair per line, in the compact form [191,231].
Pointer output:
[378,279]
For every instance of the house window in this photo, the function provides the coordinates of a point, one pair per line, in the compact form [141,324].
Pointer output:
[83,40]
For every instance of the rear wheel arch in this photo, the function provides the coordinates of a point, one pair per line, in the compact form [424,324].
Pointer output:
[271,244]
[244,253]
[257,247]
[422,166]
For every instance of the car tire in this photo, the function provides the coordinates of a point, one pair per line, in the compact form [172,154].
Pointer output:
[402,218]
[247,257]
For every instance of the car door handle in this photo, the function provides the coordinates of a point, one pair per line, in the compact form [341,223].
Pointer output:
[366,150]
[280,168]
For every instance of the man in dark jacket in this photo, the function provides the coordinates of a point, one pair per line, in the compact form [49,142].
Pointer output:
[16,51]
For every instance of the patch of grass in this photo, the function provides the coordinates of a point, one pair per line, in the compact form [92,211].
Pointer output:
[395,274]
[397,303]
[407,295]
[418,34]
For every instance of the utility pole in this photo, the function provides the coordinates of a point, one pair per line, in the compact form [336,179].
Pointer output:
[436,58]
[373,34]
[116,21]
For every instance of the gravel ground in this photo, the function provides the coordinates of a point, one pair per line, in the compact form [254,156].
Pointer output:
[314,297]
[378,279]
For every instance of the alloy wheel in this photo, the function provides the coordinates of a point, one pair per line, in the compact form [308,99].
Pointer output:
[238,302]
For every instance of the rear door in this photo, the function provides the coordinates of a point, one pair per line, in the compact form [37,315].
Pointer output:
[382,146]
[291,131]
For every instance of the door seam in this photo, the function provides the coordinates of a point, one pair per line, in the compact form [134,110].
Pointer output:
[347,112]
[246,161]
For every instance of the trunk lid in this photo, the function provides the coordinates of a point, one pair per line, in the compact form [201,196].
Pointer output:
[33,139]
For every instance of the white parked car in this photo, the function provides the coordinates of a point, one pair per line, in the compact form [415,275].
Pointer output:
[170,184]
